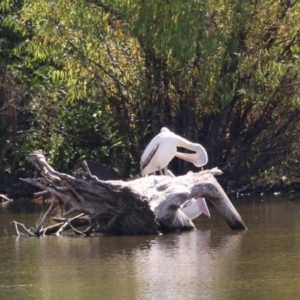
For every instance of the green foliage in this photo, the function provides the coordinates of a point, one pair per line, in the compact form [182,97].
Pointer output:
[105,76]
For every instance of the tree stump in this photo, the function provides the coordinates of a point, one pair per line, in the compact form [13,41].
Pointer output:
[146,205]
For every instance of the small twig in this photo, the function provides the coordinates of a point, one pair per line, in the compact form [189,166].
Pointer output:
[62,188]
[51,228]
[67,134]
[40,218]
[242,189]
[77,231]
[16,226]
[46,215]
[41,193]
[27,230]
[88,230]
[112,220]
[294,198]
[68,222]
[88,171]
[72,209]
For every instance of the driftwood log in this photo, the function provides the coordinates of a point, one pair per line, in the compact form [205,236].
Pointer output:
[146,205]
[4,198]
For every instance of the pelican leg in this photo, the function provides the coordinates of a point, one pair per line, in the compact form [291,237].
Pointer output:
[169,173]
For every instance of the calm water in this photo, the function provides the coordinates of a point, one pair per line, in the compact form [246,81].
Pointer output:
[212,262]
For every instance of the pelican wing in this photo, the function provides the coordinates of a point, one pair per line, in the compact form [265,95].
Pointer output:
[148,155]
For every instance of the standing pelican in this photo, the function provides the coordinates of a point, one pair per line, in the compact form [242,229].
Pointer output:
[158,154]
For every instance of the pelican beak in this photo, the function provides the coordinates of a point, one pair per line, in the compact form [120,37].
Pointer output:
[203,206]
[194,158]
[190,157]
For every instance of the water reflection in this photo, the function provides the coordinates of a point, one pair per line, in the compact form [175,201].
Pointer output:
[168,267]
[212,262]
[185,266]
[4,205]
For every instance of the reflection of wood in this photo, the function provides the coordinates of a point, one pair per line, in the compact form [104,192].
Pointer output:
[123,208]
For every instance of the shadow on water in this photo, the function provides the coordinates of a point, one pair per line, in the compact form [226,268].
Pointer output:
[212,262]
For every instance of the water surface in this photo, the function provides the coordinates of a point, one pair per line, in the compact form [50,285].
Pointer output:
[212,262]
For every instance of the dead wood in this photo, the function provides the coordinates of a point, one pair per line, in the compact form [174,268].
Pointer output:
[101,171]
[4,198]
[142,206]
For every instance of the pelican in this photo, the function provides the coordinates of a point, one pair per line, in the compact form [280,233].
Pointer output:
[158,154]
[193,208]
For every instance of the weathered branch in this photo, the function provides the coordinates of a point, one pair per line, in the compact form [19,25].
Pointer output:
[18,232]
[4,198]
[142,206]
[40,223]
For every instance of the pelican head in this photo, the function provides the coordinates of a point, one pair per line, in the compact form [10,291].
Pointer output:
[164,129]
